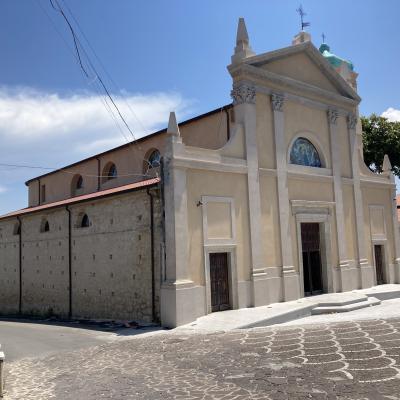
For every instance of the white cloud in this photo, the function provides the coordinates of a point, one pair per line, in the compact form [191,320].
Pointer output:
[392,114]
[52,130]
[3,189]
[48,129]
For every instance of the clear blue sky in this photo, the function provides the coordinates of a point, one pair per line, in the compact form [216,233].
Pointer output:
[161,49]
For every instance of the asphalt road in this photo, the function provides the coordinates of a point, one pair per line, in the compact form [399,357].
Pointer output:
[37,339]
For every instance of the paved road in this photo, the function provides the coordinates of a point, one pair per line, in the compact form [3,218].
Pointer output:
[346,360]
[20,339]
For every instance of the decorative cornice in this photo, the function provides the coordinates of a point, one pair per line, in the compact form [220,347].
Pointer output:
[246,71]
[243,93]
[351,121]
[333,116]
[277,101]
[335,78]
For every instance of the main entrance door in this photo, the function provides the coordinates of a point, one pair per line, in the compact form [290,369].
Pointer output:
[219,275]
[312,269]
[380,276]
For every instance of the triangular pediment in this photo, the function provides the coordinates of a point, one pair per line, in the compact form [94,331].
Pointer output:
[304,64]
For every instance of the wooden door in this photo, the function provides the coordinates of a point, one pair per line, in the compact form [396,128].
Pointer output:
[219,275]
[312,268]
[380,276]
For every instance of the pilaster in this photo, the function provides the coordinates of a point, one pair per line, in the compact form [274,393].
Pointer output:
[289,275]
[178,299]
[244,98]
[395,223]
[352,120]
[337,185]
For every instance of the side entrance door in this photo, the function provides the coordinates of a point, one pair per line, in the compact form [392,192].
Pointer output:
[312,268]
[380,276]
[219,276]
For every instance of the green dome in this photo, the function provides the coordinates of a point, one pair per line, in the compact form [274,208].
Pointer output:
[334,60]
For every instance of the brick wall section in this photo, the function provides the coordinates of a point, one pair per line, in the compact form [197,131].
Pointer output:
[111,260]
[45,264]
[9,268]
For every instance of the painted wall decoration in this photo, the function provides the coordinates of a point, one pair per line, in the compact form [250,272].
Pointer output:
[304,153]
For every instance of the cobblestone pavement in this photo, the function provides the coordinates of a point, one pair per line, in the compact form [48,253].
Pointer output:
[349,360]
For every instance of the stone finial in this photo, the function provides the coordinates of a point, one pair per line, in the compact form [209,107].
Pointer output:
[301,37]
[386,166]
[242,49]
[173,128]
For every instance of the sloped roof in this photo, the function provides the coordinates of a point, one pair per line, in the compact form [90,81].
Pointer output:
[142,139]
[83,198]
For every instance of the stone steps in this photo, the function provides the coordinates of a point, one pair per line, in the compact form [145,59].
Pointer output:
[356,304]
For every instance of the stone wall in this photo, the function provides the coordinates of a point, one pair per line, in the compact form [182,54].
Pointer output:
[111,268]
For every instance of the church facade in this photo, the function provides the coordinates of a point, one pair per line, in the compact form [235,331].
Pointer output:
[265,200]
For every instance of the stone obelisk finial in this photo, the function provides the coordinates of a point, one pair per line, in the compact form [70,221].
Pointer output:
[173,128]
[386,166]
[242,49]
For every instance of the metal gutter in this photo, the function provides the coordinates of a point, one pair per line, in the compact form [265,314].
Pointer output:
[153,289]
[69,264]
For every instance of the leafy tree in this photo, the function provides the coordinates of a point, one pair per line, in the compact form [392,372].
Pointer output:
[381,137]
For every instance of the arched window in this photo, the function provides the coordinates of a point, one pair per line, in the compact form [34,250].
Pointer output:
[151,161]
[44,226]
[154,159]
[79,182]
[76,185]
[85,222]
[17,229]
[110,172]
[303,152]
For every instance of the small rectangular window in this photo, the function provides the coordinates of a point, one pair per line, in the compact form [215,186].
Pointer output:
[43,193]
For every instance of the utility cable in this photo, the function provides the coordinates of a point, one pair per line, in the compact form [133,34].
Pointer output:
[97,78]
[52,169]
[97,75]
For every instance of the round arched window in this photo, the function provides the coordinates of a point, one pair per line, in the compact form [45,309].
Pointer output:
[112,172]
[85,222]
[79,182]
[303,152]
[76,185]
[44,226]
[109,172]
[154,159]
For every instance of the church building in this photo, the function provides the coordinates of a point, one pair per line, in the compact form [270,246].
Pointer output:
[264,200]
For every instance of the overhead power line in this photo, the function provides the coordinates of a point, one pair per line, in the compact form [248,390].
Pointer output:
[60,10]
[116,86]
[78,44]
[85,63]
[63,170]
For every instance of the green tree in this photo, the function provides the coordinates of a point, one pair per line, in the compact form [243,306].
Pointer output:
[381,137]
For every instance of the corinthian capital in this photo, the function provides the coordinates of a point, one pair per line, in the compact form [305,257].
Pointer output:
[351,121]
[243,93]
[277,101]
[333,116]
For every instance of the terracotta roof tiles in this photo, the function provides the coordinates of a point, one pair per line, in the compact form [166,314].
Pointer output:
[85,197]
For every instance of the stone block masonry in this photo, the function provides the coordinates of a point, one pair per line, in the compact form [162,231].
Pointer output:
[109,262]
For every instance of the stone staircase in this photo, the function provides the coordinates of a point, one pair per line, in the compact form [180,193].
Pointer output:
[336,304]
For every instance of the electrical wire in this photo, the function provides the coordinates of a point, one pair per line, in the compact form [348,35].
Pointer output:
[13,166]
[101,96]
[116,86]
[97,78]
[73,34]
